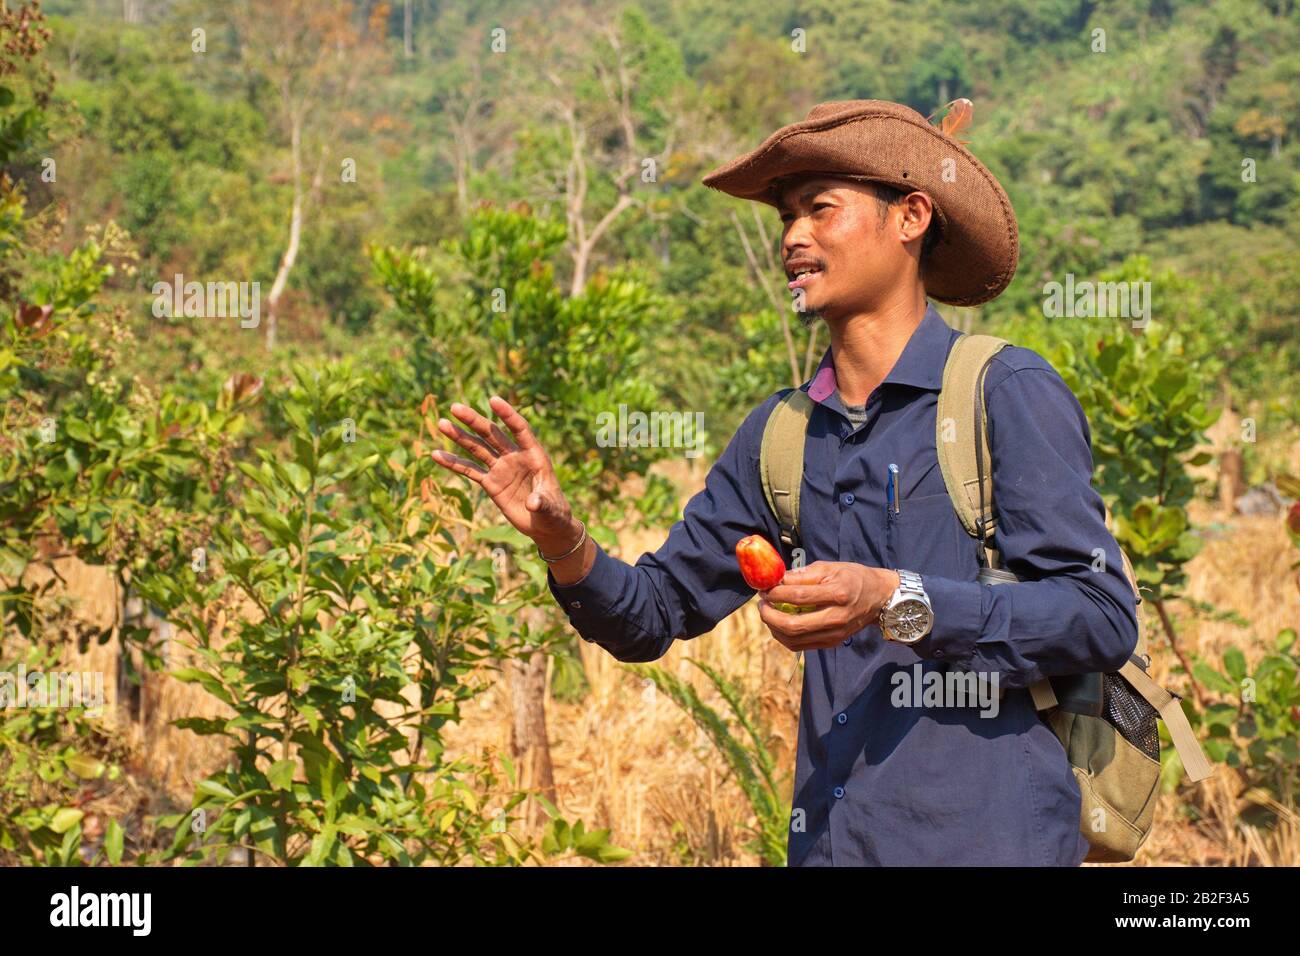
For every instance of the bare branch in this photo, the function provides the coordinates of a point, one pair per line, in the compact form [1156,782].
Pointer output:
[771,296]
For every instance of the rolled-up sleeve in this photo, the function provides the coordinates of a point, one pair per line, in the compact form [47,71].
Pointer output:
[1073,610]
[693,581]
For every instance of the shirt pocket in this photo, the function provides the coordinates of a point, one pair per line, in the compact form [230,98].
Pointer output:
[927,536]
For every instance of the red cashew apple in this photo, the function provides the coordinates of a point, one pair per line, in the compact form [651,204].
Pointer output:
[763,569]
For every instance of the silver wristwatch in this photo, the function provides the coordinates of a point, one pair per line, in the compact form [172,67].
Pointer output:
[907,616]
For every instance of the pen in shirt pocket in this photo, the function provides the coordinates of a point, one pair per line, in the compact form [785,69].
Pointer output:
[894,489]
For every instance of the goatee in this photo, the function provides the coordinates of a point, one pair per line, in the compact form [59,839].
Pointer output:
[809,316]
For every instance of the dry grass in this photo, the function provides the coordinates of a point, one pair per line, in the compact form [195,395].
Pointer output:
[627,758]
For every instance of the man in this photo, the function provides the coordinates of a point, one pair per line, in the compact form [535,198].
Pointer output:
[882,777]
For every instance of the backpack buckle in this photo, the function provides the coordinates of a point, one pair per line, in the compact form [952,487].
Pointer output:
[790,537]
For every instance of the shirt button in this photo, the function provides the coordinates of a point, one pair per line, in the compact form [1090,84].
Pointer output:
[843,718]
[576,604]
[938,653]
[848,498]
[839,792]
[848,641]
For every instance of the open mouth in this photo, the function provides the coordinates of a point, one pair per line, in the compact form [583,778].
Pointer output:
[802,279]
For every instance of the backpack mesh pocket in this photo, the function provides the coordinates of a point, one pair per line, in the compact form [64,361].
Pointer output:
[1131,714]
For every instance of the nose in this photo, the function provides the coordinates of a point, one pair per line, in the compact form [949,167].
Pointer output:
[796,238]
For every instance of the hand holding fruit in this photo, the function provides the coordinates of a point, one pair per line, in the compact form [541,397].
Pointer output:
[762,567]
[846,597]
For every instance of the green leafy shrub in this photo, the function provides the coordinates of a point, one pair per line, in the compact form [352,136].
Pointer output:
[340,552]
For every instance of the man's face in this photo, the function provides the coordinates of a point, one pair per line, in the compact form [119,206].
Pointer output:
[833,226]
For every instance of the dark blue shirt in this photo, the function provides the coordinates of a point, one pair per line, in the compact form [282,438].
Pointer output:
[877,782]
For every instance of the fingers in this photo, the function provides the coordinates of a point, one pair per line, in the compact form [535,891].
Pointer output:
[781,637]
[515,422]
[472,443]
[809,574]
[805,594]
[497,440]
[461,466]
[814,642]
[801,632]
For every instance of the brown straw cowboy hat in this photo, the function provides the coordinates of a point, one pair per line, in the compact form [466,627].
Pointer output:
[875,140]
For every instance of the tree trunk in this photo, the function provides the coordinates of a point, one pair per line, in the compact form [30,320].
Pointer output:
[407,40]
[529,745]
[1231,478]
[295,235]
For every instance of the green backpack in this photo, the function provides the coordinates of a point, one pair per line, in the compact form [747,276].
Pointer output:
[1105,722]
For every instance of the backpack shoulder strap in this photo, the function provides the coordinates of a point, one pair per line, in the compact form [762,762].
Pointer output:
[967,465]
[962,445]
[961,436]
[780,460]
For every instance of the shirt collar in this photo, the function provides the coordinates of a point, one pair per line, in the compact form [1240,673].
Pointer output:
[920,364]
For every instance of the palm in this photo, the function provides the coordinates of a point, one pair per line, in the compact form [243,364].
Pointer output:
[512,479]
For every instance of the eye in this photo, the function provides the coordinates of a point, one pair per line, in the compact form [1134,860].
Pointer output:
[821,205]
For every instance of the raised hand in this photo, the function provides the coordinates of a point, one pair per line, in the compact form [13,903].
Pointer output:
[517,474]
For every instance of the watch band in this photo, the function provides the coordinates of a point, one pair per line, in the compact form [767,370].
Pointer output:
[910,581]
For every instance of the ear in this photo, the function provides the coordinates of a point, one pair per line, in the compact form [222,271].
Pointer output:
[915,212]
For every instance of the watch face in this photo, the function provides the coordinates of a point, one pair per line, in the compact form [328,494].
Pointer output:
[909,619]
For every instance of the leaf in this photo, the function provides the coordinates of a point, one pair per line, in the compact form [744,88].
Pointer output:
[212,788]
[12,564]
[311,714]
[1217,748]
[113,839]
[87,768]
[274,525]
[320,846]
[353,825]
[612,854]
[550,840]
[298,677]
[65,818]
[298,476]
[203,726]
[1212,679]
[281,773]
[1169,382]
[1234,662]
[256,474]
[68,849]
[79,430]
[192,675]
[364,465]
